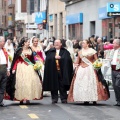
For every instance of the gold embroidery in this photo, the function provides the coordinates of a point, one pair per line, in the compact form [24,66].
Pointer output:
[57,62]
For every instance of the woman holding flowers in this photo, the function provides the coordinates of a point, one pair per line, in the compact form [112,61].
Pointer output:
[39,55]
[26,84]
[87,85]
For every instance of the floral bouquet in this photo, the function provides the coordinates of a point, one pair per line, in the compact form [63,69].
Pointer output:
[37,66]
[10,58]
[97,64]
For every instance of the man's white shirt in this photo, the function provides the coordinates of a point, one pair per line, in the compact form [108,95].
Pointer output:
[3,59]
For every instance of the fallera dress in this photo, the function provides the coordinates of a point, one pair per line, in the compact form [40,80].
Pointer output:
[86,85]
[28,85]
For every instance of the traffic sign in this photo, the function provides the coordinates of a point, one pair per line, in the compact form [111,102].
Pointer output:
[40,26]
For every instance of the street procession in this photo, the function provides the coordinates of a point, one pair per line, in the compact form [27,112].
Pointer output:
[59,59]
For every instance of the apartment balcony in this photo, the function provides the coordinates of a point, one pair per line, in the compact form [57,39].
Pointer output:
[20,16]
[11,4]
[29,18]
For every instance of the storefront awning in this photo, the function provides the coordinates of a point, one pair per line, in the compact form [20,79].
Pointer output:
[74,18]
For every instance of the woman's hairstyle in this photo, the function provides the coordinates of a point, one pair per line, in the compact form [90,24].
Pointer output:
[22,41]
[34,37]
[63,42]
[69,44]
[111,40]
[87,41]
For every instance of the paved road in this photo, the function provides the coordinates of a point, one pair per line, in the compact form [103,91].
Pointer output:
[44,110]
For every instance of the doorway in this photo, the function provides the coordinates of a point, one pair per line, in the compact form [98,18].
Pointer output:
[92,28]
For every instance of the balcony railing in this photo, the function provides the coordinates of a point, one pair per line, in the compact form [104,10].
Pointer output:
[20,16]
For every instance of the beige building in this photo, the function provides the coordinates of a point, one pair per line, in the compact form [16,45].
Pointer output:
[7,16]
[56,13]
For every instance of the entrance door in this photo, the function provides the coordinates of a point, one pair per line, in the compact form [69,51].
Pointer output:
[92,28]
[110,31]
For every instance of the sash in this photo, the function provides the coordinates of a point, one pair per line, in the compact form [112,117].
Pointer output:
[37,57]
[84,59]
[6,55]
[26,60]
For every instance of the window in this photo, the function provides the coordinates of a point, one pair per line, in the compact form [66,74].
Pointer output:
[23,5]
[31,6]
[38,5]
[76,31]
[51,18]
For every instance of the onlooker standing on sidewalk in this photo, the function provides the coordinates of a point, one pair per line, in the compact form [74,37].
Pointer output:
[115,64]
[4,69]
[100,50]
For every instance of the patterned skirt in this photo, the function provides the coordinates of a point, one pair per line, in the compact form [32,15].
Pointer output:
[86,87]
[28,85]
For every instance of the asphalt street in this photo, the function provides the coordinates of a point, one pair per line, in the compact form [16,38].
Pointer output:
[45,110]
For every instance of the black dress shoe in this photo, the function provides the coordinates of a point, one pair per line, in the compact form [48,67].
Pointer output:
[64,101]
[117,105]
[86,103]
[21,102]
[53,102]
[94,103]
[3,105]
[27,102]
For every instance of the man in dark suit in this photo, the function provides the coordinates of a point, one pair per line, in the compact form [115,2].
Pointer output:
[58,72]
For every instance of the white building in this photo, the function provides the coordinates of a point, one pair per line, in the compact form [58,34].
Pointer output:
[90,17]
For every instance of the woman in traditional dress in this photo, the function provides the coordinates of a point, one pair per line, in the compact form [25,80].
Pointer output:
[50,45]
[39,55]
[25,83]
[86,85]
[9,47]
[69,46]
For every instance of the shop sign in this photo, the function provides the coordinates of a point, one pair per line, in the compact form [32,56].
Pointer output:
[74,18]
[113,9]
[102,13]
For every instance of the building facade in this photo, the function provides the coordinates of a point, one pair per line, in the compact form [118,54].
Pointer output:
[94,21]
[7,18]
[36,13]
[56,15]
[20,13]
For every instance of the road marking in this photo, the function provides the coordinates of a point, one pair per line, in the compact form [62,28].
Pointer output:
[23,106]
[33,116]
